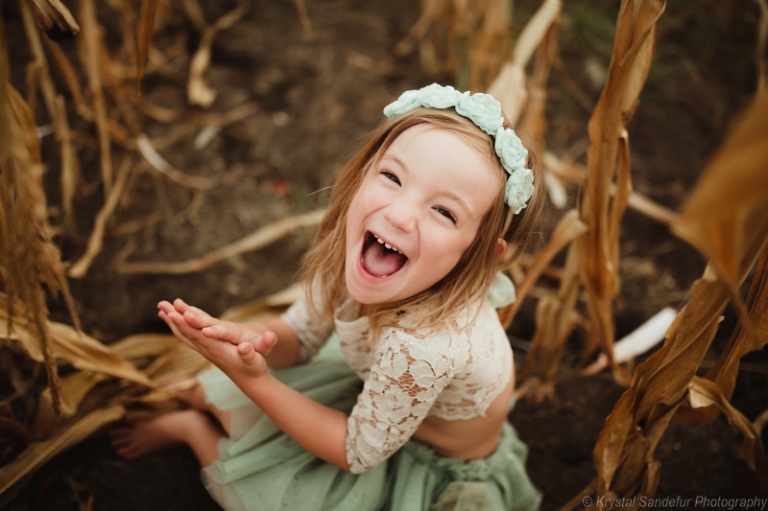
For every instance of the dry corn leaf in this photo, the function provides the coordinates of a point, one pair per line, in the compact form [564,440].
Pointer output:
[509,86]
[54,18]
[492,41]
[144,37]
[177,361]
[306,24]
[576,173]
[90,43]
[143,345]
[264,308]
[592,260]
[73,389]
[69,434]
[723,230]
[254,241]
[568,228]
[726,369]
[724,198]
[705,393]
[30,258]
[160,164]
[198,91]
[96,239]
[624,452]
[78,349]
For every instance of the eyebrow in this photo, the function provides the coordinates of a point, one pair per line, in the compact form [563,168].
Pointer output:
[446,193]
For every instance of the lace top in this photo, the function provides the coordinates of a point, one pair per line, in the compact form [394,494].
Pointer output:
[452,373]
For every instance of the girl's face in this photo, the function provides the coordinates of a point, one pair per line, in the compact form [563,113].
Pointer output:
[426,200]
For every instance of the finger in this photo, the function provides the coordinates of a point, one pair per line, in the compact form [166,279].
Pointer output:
[198,318]
[265,343]
[180,306]
[165,306]
[246,352]
[184,327]
[169,320]
[223,332]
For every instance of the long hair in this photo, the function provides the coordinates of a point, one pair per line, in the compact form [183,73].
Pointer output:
[467,283]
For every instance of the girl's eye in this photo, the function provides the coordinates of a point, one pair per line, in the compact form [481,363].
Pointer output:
[447,214]
[390,176]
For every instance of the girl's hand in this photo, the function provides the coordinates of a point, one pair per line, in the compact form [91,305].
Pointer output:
[234,358]
[198,324]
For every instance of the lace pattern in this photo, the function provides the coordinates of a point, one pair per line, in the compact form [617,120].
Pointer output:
[452,373]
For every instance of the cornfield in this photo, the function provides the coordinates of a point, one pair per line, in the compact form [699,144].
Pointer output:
[137,156]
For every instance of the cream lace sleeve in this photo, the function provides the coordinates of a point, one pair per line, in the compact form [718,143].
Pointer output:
[405,379]
[311,329]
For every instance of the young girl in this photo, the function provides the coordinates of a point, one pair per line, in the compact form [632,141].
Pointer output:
[405,407]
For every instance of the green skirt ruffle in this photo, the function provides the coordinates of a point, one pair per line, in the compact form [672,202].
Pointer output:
[262,469]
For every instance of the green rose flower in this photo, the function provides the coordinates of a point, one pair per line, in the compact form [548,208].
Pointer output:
[519,189]
[437,96]
[510,150]
[408,100]
[483,110]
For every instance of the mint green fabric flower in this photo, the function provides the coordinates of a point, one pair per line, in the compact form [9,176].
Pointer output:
[408,100]
[483,110]
[437,96]
[502,292]
[510,150]
[519,189]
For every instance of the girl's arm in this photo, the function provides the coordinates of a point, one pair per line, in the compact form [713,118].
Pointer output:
[317,428]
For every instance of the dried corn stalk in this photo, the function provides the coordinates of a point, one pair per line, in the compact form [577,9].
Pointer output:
[54,19]
[726,218]
[592,261]
[29,258]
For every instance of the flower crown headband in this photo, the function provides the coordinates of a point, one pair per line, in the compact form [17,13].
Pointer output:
[485,112]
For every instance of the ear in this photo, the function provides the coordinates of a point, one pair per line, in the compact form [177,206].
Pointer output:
[501,248]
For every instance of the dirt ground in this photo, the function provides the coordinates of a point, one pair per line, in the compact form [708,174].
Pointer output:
[316,99]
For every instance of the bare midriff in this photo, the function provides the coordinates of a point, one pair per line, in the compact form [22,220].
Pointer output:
[467,439]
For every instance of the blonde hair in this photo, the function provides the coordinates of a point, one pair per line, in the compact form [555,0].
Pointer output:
[468,281]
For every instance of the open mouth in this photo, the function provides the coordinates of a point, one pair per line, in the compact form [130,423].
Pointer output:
[379,258]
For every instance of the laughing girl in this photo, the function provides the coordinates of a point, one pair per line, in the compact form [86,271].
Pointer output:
[388,385]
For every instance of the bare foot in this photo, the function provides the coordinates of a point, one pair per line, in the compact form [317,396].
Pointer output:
[182,427]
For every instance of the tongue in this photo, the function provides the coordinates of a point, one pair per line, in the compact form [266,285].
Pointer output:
[380,261]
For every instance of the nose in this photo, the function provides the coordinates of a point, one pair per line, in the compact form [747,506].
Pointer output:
[403,215]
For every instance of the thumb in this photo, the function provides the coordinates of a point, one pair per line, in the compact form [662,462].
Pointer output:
[246,352]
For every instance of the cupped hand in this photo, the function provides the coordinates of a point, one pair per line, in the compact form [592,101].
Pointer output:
[236,352]
[190,324]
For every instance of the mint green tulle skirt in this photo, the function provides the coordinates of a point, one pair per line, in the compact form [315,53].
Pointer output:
[260,468]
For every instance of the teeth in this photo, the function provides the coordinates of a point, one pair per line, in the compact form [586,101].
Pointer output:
[390,247]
